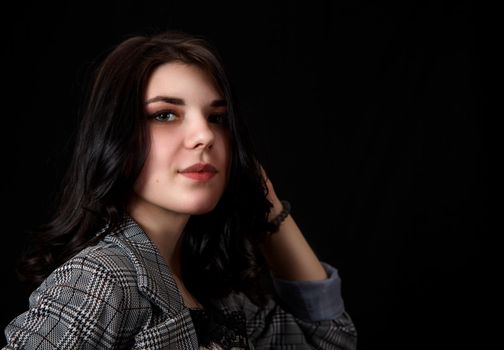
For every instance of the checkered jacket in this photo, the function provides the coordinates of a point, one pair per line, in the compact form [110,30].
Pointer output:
[119,294]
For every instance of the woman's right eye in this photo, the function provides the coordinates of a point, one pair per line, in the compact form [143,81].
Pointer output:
[164,116]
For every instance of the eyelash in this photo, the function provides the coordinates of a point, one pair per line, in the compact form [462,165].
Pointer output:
[223,120]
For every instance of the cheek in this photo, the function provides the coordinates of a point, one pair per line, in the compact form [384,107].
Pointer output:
[224,148]
[160,158]
[163,144]
[160,161]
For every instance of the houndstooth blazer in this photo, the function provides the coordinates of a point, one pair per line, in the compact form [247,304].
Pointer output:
[119,294]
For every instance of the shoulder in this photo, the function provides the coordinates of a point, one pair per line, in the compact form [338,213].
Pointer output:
[102,269]
[100,278]
[92,299]
[103,257]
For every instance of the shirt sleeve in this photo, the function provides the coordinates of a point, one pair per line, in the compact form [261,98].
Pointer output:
[312,300]
[282,324]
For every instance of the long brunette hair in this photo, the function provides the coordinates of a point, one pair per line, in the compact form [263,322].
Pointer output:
[220,249]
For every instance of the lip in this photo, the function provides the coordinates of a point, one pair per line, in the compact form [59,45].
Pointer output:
[200,168]
[199,171]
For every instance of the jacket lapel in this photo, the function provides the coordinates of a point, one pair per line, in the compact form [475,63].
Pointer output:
[155,279]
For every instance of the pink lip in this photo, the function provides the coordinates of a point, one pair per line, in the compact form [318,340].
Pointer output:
[199,171]
[199,176]
[200,167]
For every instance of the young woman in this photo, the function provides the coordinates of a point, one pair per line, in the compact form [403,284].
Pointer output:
[168,232]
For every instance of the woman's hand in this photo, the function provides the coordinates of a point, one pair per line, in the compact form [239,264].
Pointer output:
[272,196]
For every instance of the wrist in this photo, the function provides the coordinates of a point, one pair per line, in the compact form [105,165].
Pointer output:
[278,214]
[275,210]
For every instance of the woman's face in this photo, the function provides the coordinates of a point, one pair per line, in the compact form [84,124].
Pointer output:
[187,126]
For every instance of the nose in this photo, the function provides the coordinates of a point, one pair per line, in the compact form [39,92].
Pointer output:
[199,132]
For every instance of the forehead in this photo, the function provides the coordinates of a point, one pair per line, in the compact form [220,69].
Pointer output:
[182,80]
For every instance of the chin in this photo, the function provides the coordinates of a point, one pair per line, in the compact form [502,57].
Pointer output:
[204,208]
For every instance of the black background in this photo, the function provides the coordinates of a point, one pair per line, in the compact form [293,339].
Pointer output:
[369,117]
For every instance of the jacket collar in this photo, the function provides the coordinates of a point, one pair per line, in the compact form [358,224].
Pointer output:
[155,279]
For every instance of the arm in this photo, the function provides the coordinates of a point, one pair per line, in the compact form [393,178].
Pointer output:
[287,252]
[309,310]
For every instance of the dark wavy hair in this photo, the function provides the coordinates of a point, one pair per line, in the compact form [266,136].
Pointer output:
[220,249]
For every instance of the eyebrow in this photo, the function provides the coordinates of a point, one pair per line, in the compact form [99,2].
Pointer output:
[180,102]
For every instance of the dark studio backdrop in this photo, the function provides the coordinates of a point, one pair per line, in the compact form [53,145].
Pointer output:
[369,117]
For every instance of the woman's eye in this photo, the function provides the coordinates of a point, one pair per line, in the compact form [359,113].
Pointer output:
[164,116]
[220,118]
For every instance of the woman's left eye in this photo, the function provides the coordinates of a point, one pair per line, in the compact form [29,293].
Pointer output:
[164,116]
[218,118]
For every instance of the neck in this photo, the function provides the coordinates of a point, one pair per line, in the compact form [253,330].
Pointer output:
[164,228]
